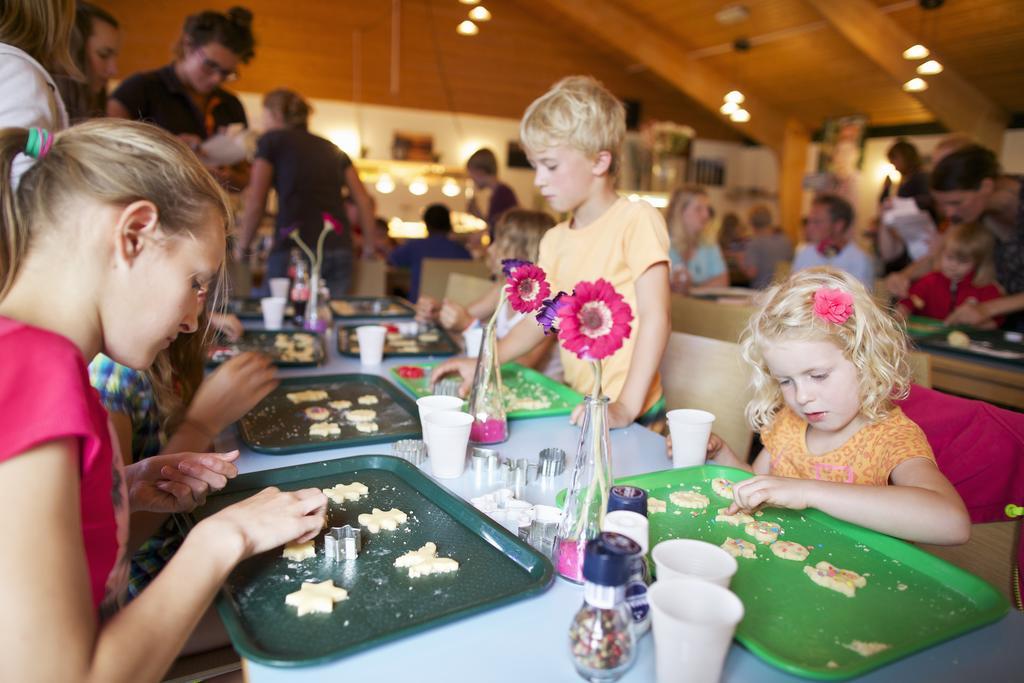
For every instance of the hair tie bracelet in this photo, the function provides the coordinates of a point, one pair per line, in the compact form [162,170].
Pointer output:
[833,305]
[39,143]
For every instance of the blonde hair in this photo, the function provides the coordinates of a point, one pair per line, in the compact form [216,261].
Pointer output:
[518,233]
[975,243]
[42,28]
[870,338]
[679,237]
[579,112]
[115,162]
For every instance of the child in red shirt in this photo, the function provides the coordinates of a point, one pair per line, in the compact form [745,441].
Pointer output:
[966,271]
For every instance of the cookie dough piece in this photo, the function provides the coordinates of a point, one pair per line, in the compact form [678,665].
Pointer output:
[368,400]
[361,415]
[788,550]
[958,339]
[339,493]
[316,597]
[307,396]
[722,487]
[429,337]
[735,520]
[689,499]
[916,301]
[380,519]
[297,355]
[324,429]
[317,413]
[737,547]
[367,427]
[865,649]
[840,580]
[299,551]
[763,532]
[425,561]
[656,505]
[340,405]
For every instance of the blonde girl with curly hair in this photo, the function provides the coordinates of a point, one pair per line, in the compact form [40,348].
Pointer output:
[827,364]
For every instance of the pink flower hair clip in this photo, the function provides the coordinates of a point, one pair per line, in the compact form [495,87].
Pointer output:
[833,305]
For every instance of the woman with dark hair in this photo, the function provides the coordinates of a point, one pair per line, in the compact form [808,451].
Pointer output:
[968,187]
[95,45]
[309,174]
[186,97]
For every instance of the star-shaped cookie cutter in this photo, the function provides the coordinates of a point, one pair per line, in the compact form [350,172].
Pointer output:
[343,543]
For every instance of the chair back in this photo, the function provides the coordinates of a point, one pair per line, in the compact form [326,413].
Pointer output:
[709,374]
[435,271]
[713,319]
[465,289]
[369,278]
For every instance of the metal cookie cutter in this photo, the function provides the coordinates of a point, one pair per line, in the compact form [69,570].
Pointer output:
[550,462]
[412,450]
[518,474]
[343,543]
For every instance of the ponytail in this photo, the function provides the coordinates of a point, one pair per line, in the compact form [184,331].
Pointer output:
[13,231]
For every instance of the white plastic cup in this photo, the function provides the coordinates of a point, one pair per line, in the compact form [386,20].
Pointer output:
[632,525]
[371,343]
[693,623]
[690,430]
[279,287]
[273,311]
[688,558]
[449,437]
[472,338]
[433,404]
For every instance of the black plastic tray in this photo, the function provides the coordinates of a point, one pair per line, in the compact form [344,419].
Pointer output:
[348,345]
[251,309]
[262,341]
[353,307]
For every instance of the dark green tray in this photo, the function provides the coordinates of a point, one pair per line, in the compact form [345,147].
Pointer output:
[278,427]
[517,380]
[384,604]
[348,345]
[799,626]
[351,307]
[988,345]
[251,309]
[262,341]
[920,326]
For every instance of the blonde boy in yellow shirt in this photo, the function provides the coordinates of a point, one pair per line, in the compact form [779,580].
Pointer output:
[573,135]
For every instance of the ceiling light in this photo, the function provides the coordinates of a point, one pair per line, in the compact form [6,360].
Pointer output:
[467,28]
[915,85]
[916,52]
[734,96]
[385,185]
[733,14]
[479,14]
[740,116]
[450,188]
[470,2]
[418,187]
[929,68]
[729,108]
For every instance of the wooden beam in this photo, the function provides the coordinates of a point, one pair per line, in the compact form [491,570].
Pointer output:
[950,97]
[664,55]
[792,166]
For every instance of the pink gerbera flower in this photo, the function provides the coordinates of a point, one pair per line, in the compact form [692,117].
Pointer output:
[594,321]
[527,288]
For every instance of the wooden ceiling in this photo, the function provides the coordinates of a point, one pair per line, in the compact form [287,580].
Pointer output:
[798,63]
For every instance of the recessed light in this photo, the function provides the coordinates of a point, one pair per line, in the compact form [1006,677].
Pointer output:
[735,96]
[740,116]
[915,85]
[916,52]
[480,14]
[929,68]
[467,28]
[728,108]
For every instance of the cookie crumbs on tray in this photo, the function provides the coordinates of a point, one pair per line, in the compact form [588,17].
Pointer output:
[865,649]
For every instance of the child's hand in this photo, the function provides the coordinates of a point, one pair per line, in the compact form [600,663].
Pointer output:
[227,324]
[764,490]
[454,316]
[618,415]
[464,367]
[231,391]
[269,519]
[178,482]
[898,284]
[427,309]
[968,313]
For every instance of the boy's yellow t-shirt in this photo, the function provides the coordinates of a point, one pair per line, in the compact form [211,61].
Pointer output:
[868,457]
[619,246]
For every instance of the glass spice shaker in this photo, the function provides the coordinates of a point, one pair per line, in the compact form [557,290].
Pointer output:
[601,637]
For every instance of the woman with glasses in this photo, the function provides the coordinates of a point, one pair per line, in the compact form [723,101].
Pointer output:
[186,97]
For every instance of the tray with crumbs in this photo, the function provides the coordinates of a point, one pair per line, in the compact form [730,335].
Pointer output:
[421,340]
[384,603]
[281,425]
[997,346]
[287,348]
[251,309]
[912,599]
[371,307]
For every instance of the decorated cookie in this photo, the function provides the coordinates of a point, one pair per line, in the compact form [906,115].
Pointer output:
[788,550]
[380,519]
[735,520]
[317,413]
[722,487]
[425,561]
[299,551]
[307,396]
[316,597]
[324,429]
[689,499]
[737,547]
[840,580]
[339,493]
[764,532]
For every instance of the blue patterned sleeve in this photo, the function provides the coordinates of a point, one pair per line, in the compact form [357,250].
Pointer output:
[121,389]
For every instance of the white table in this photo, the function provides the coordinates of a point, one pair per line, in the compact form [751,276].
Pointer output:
[528,640]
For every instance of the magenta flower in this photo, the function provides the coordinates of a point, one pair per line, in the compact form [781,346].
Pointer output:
[594,321]
[510,264]
[336,225]
[527,288]
[548,314]
[833,305]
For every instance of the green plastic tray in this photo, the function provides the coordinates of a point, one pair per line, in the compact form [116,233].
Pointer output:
[251,309]
[988,345]
[384,604]
[279,427]
[800,627]
[262,341]
[518,380]
[920,326]
[370,307]
[348,344]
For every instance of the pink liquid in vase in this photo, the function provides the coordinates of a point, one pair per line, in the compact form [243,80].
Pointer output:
[490,430]
[569,563]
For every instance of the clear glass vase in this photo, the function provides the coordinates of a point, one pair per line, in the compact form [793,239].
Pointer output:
[315,320]
[587,496]
[487,400]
